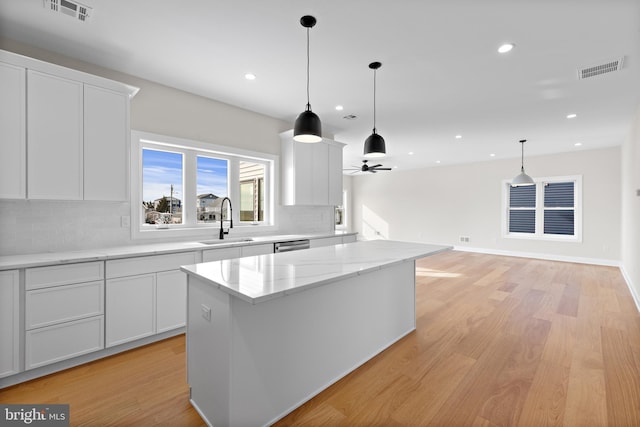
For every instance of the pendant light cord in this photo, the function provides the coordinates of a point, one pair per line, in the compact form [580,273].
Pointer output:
[308,61]
[374,100]
[522,158]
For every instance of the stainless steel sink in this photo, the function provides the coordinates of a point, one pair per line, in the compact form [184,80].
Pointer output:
[223,241]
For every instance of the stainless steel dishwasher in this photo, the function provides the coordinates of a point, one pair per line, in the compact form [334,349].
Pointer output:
[291,245]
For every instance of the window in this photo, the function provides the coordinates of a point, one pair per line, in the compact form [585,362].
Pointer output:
[181,183]
[550,210]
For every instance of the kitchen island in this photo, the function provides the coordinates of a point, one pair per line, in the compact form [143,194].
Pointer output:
[267,333]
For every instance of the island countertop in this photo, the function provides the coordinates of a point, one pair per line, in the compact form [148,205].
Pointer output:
[259,278]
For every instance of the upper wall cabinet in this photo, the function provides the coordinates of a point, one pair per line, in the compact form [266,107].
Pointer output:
[12,132]
[77,132]
[311,174]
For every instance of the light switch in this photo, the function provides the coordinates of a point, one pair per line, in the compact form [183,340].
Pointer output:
[206,312]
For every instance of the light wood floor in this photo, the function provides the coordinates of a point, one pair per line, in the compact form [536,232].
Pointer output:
[499,342]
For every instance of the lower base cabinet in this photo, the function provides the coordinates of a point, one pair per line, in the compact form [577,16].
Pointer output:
[171,300]
[130,308]
[9,323]
[145,305]
[51,344]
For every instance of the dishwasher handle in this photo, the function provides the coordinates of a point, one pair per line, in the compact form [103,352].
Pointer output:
[292,245]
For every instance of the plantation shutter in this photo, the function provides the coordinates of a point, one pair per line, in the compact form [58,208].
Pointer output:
[559,208]
[522,213]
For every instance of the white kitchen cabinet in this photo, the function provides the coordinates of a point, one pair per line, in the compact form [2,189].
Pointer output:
[350,238]
[64,312]
[51,344]
[222,253]
[171,300]
[311,174]
[12,132]
[130,308]
[106,137]
[145,296]
[65,134]
[54,137]
[9,323]
[251,250]
[326,241]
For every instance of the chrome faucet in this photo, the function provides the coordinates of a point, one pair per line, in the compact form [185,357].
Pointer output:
[222,232]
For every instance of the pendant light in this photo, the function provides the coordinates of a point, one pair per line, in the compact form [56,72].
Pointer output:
[374,146]
[523,178]
[307,127]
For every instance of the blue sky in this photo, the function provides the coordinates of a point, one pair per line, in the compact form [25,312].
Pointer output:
[160,169]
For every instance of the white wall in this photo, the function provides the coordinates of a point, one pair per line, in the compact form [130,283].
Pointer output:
[440,204]
[631,208]
[42,226]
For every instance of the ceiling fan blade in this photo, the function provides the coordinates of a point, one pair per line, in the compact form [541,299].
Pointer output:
[375,166]
[383,169]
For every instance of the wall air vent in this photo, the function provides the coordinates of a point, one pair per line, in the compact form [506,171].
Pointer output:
[73,9]
[603,68]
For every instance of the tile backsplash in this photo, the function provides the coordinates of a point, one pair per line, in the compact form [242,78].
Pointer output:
[35,226]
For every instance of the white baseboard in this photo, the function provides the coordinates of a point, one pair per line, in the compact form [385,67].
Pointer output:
[536,255]
[632,289]
[563,258]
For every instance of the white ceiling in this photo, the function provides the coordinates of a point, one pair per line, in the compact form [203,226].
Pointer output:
[441,75]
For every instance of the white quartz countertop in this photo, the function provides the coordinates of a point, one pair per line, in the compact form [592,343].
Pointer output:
[259,278]
[102,254]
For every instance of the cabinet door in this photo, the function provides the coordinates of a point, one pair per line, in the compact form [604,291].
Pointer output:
[320,174]
[9,323]
[335,175]
[54,133]
[106,158]
[13,158]
[130,308]
[171,297]
[304,165]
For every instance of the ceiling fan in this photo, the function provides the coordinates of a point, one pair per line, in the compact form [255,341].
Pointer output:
[366,168]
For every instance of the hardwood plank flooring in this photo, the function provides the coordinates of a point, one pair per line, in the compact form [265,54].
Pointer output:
[500,341]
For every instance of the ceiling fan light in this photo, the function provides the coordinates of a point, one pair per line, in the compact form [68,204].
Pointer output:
[374,146]
[307,128]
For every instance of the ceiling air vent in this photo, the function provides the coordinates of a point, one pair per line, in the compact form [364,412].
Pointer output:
[73,9]
[604,68]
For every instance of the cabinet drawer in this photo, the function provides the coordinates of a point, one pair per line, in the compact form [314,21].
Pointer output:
[326,241]
[48,306]
[52,344]
[43,277]
[148,264]
[252,250]
[222,253]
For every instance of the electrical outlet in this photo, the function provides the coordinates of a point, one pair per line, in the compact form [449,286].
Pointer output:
[206,312]
[125,221]
[464,239]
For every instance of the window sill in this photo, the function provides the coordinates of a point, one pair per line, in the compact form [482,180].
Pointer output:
[544,237]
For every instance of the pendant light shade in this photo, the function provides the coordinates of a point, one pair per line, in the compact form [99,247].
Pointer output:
[374,145]
[523,178]
[307,127]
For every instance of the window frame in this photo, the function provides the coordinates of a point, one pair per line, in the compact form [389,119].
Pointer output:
[540,209]
[191,150]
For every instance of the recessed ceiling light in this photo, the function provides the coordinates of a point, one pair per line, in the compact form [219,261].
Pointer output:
[411,153]
[572,116]
[492,155]
[339,108]
[250,76]
[506,47]
[395,167]
[578,144]
[438,161]
[458,136]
